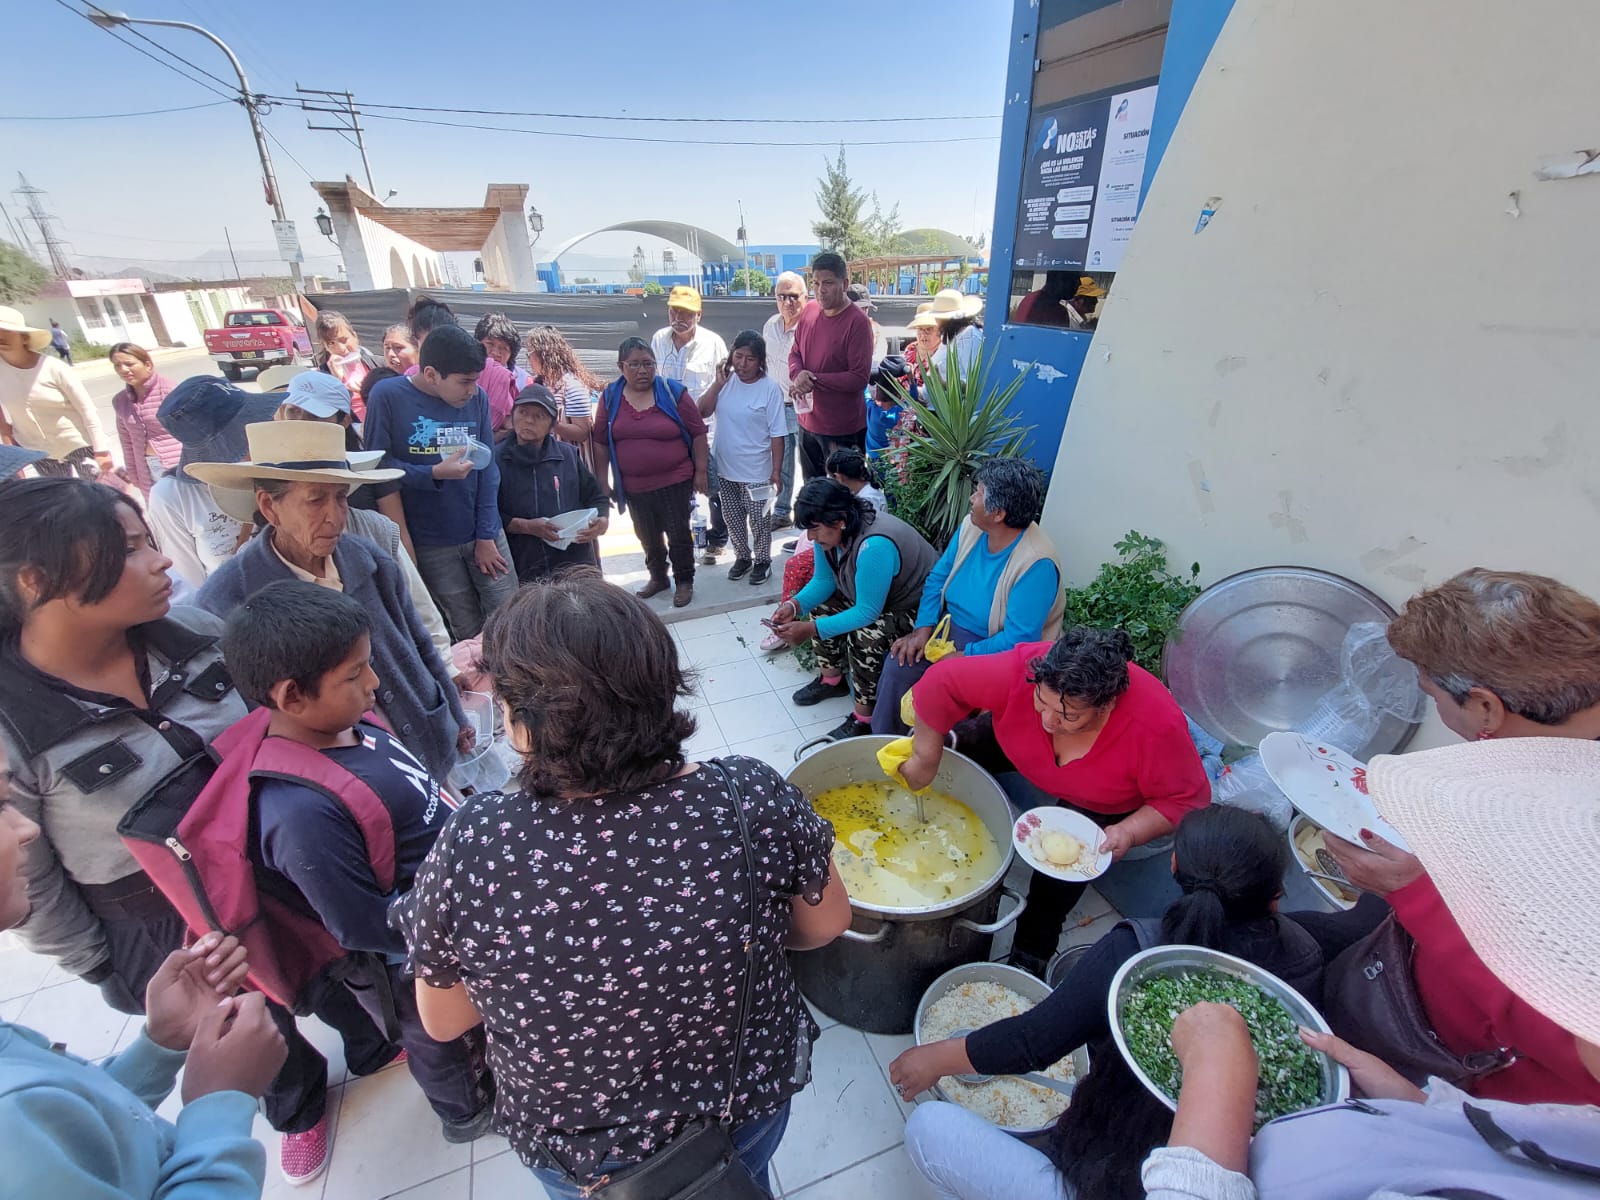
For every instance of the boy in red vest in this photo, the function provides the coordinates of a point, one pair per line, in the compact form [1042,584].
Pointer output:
[303,652]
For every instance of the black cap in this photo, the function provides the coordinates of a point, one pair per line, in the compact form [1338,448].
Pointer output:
[537,393]
[890,367]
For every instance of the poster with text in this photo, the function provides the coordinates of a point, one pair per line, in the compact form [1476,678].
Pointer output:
[1080,187]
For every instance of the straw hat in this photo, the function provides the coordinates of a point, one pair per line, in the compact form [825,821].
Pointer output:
[11,322]
[951,305]
[1509,832]
[302,451]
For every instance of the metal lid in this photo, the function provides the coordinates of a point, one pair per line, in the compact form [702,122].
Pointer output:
[1263,650]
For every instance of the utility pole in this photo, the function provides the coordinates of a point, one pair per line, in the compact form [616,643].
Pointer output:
[229,239]
[19,235]
[54,248]
[347,112]
[107,19]
[744,245]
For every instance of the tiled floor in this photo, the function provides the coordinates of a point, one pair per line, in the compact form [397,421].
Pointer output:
[846,1136]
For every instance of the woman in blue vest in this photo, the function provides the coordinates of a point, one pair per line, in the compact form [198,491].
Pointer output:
[542,477]
[650,446]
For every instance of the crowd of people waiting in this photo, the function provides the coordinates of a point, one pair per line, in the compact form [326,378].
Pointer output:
[525,950]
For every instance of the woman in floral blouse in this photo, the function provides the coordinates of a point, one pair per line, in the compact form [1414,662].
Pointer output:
[595,920]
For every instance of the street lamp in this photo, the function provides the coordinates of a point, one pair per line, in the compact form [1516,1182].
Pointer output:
[109,19]
[536,224]
[325,225]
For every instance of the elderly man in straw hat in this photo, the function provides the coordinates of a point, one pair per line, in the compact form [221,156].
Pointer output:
[298,479]
[1510,833]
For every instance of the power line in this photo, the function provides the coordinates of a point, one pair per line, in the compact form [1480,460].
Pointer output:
[148,40]
[565,116]
[617,137]
[112,33]
[134,237]
[279,144]
[149,112]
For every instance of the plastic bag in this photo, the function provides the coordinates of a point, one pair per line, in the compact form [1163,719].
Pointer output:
[1375,682]
[939,643]
[1247,785]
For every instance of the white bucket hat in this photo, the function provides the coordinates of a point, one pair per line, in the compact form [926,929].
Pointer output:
[11,322]
[300,451]
[1509,832]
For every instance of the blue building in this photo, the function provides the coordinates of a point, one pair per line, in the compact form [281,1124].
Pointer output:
[1094,89]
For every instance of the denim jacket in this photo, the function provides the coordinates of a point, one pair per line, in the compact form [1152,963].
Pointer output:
[80,760]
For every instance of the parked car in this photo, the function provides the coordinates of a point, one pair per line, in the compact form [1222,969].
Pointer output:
[258,338]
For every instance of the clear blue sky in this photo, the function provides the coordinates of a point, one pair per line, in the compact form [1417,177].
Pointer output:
[160,187]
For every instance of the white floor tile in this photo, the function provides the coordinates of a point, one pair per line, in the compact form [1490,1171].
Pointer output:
[75,1013]
[713,650]
[1092,931]
[278,1188]
[21,972]
[699,627]
[455,1186]
[845,1115]
[752,717]
[886,1047]
[505,1178]
[732,681]
[889,1176]
[817,727]
[834,707]
[776,750]
[823,1020]
[490,1145]
[388,1139]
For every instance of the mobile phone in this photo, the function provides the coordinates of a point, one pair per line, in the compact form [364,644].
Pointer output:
[769,622]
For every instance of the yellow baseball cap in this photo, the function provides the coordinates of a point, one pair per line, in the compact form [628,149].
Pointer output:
[684,297]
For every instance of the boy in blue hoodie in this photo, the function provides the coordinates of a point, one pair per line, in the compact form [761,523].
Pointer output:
[304,652]
[450,490]
[75,1129]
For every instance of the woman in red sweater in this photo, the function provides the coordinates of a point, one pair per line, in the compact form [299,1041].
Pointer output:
[1503,654]
[1074,722]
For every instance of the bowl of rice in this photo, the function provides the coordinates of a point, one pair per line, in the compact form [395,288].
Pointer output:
[978,994]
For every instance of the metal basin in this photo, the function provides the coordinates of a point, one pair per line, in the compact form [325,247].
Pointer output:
[1025,985]
[1180,961]
[874,975]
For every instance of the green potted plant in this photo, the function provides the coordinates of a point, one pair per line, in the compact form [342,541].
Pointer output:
[1137,594]
[957,425]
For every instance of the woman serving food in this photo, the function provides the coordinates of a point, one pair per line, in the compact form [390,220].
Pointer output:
[1072,722]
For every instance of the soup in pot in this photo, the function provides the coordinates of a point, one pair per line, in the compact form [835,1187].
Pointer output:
[888,858]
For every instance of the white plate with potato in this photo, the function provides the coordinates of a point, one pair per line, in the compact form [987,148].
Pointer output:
[1061,843]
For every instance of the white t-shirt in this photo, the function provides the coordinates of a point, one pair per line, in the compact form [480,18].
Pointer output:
[875,497]
[749,416]
[694,365]
[190,529]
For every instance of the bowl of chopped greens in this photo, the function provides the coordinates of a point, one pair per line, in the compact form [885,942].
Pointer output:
[1155,986]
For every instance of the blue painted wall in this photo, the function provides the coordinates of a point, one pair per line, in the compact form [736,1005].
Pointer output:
[1060,354]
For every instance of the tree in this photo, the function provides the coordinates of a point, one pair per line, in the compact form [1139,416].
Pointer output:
[880,232]
[751,282]
[839,202]
[652,288]
[20,277]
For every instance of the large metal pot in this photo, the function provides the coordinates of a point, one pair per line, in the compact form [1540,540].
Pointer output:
[874,976]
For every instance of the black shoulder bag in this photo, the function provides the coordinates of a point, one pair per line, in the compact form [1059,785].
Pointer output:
[701,1161]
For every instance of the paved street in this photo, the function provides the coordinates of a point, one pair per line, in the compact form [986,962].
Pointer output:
[102,382]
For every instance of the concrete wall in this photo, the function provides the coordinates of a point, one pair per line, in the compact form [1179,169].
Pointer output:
[188,314]
[383,255]
[98,320]
[1379,357]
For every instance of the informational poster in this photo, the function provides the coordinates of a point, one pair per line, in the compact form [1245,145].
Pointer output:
[1080,187]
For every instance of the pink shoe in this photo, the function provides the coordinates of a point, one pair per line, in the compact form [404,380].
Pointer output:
[771,642]
[400,1060]
[304,1156]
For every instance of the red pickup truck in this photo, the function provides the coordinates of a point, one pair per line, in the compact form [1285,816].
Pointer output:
[258,338]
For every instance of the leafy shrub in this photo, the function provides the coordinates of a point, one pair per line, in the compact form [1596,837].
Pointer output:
[1138,594]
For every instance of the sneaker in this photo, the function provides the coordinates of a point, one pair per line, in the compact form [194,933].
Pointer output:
[781,521]
[740,568]
[851,726]
[682,595]
[469,1129]
[654,588]
[788,547]
[708,557]
[772,642]
[816,691]
[304,1156]
[399,1060]
[761,573]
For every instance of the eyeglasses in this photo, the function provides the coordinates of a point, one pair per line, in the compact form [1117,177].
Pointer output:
[639,365]
[795,296]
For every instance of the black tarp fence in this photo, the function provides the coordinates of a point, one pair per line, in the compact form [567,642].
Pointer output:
[595,325]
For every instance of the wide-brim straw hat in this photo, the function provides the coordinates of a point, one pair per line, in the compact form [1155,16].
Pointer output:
[1509,832]
[298,451]
[951,305]
[11,321]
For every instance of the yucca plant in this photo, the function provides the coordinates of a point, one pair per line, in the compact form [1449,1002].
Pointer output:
[962,424]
